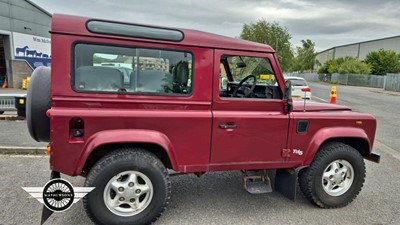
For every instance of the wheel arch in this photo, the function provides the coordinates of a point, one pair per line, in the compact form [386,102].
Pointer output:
[104,142]
[354,137]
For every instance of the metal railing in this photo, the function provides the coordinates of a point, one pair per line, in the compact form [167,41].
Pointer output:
[392,82]
[7,103]
[306,76]
[359,80]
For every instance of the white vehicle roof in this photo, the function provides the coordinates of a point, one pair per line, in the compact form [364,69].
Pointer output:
[294,78]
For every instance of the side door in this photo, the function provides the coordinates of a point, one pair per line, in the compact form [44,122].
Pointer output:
[249,132]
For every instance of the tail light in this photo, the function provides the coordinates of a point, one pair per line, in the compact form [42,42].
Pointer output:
[306,89]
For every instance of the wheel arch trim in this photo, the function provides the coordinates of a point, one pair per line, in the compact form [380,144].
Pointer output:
[331,133]
[126,136]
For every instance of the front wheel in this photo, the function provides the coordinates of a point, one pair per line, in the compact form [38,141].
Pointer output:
[335,176]
[131,187]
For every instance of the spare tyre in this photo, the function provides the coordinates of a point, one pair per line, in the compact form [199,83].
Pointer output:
[37,103]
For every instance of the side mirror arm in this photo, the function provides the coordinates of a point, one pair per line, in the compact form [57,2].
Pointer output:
[287,97]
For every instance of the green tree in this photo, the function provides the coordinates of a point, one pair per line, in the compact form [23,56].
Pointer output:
[383,62]
[305,57]
[273,34]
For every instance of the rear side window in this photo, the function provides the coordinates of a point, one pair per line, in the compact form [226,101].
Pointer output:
[100,68]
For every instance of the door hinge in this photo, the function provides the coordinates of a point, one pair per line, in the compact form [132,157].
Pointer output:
[285,153]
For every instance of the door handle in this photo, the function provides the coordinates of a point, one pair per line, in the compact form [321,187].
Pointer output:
[227,126]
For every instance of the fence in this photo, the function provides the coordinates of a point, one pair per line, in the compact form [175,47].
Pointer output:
[306,76]
[359,80]
[390,82]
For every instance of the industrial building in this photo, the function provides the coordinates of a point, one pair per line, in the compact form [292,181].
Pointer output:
[360,50]
[24,40]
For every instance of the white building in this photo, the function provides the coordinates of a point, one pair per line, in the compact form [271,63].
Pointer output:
[360,50]
[24,39]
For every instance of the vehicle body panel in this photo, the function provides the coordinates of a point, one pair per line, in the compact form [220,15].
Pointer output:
[183,120]
[328,125]
[188,127]
[261,125]
[132,136]
[76,26]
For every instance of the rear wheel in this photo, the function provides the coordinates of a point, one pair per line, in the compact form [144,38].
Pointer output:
[335,176]
[132,186]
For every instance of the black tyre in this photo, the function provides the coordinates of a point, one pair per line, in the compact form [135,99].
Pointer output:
[132,186]
[37,103]
[1,112]
[335,176]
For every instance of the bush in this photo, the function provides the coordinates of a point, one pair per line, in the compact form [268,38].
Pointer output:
[383,62]
[345,65]
[354,66]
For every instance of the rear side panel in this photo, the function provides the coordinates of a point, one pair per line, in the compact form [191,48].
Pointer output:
[184,120]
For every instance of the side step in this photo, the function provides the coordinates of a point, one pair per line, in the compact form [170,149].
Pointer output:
[257,182]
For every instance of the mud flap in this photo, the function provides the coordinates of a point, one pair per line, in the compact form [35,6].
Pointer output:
[46,213]
[286,182]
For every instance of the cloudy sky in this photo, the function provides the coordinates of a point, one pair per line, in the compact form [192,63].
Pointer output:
[327,23]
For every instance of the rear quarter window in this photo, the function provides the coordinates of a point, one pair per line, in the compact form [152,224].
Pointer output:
[105,69]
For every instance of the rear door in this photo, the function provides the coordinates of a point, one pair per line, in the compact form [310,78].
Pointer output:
[248,132]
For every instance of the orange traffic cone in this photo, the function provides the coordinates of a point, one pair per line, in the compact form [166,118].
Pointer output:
[333,95]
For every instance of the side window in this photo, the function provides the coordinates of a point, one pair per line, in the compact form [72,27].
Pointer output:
[242,66]
[101,68]
[249,77]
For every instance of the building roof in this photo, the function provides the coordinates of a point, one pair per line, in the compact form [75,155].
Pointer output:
[362,42]
[38,7]
[75,25]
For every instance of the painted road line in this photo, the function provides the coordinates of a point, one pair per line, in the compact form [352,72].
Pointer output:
[22,150]
[320,99]
[23,156]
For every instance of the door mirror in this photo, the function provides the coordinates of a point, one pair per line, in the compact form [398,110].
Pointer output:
[287,96]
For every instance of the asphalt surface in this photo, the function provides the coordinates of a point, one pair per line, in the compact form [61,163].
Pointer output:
[215,198]
[384,105]
[219,198]
[15,133]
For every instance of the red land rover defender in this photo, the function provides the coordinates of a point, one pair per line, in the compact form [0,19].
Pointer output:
[124,105]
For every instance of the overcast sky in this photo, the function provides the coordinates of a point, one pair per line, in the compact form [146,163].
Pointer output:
[327,23]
